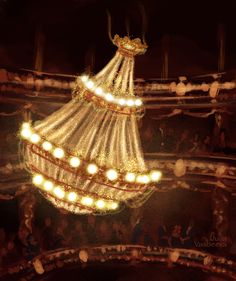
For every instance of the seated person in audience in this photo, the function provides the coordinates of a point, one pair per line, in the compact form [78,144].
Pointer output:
[188,236]
[137,232]
[195,144]
[163,238]
[183,145]
[47,234]
[176,237]
[206,146]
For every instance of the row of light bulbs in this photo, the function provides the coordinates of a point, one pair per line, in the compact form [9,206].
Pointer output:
[92,169]
[72,196]
[98,91]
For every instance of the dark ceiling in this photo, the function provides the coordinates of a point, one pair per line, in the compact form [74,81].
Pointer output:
[76,30]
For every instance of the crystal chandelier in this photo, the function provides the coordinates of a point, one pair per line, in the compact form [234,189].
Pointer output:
[86,157]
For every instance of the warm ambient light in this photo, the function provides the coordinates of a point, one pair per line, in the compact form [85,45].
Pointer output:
[109,97]
[37,179]
[143,179]
[48,185]
[155,175]
[130,102]
[26,125]
[114,205]
[87,201]
[58,153]
[130,177]
[112,174]
[74,162]
[59,192]
[72,196]
[100,204]
[138,102]
[35,138]
[92,169]
[121,101]
[26,133]
[89,84]
[98,91]
[84,78]
[47,146]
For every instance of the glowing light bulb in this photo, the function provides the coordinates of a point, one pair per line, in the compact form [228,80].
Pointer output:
[87,201]
[143,179]
[72,196]
[98,91]
[59,192]
[130,177]
[92,169]
[121,101]
[74,162]
[155,175]
[109,97]
[146,179]
[26,125]
[26,133]
[138,102]
[89,84]
[112,174]
[35,138]
[58,153]
[130,102]
[100,204]
[114,205]
[48,185]
[47,146]
[84,78]
[37,179]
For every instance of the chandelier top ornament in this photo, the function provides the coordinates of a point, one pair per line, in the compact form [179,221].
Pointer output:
[86,157]
[129,47]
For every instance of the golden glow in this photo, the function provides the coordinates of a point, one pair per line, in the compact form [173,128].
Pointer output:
[26,125]
[138,102]
[48,185]
[112,174]
[35,138]
[121,101]
[98,91]
[92,169]
[74,162]
[87,201]
[26,133]
[58,153]
[114,205]
[37,179]
[89,84]
[130,177]
[59,192]
[72,196]
[155,175]
[84,78]
[109,97]
[130,102]
[146,179]
[47,146]
[143,179]
[100,204]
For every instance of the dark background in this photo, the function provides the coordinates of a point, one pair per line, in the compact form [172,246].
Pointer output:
[76,33]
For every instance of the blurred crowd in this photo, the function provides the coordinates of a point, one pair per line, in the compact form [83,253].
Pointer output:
[167,139]
[91,230]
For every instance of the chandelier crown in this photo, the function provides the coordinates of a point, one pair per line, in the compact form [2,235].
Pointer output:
[129,47]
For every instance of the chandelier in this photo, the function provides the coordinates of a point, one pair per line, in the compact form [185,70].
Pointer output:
[86,157]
